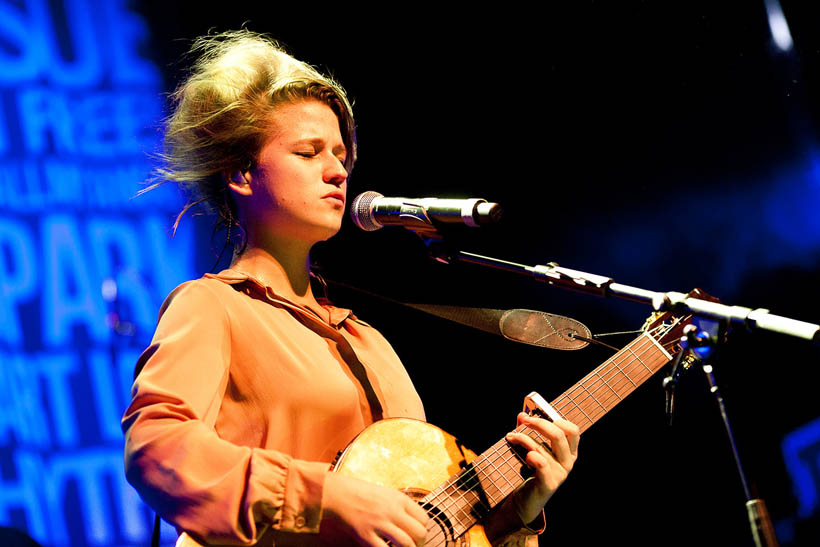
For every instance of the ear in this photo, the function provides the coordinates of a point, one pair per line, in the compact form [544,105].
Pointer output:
[239,182]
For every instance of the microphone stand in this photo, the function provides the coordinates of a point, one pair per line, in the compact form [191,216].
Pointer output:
[702,341]
[598,285]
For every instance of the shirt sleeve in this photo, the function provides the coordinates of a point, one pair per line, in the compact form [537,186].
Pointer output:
[504,528]
[218,491]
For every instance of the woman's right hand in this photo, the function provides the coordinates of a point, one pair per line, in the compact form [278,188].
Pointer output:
[370,514]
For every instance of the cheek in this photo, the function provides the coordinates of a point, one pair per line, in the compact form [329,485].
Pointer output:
[272,186]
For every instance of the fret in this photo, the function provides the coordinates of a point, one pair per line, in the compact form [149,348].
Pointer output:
[581,410]
[514,467]
[600,383]
[590,379]
[510,484]
[603,381]
[631,371]
[604,384]
[618,366]
[463,506]
[497,472]
[508,462]
[575,414]
[471,513]
[638,359]
[605,400]
[489,482]
[657,344]
[589,394]
[654,361]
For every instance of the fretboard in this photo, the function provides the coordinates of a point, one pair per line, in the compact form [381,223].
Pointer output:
[606,386]
[491,477]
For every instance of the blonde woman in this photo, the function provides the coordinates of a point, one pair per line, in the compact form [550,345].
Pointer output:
[251,383]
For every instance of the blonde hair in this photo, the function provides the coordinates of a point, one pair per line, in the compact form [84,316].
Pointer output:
[222,114]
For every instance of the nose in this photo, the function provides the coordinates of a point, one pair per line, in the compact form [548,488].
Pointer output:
[335,172]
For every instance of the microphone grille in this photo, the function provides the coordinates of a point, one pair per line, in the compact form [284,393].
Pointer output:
[361,211]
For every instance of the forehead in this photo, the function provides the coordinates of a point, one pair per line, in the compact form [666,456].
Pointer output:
[305,119]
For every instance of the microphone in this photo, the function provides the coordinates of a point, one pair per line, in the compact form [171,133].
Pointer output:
[371,211]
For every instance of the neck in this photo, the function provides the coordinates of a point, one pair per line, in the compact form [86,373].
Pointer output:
[283,267]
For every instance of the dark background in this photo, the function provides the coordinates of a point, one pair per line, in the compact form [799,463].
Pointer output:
[667,145]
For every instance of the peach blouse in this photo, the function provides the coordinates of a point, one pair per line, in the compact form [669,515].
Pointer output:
[243,399]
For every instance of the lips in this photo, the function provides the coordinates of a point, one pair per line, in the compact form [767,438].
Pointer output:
[338,196]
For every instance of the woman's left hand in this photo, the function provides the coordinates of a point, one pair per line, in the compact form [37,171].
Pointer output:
[551,469]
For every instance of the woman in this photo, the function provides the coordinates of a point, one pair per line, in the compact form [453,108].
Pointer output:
[252,384]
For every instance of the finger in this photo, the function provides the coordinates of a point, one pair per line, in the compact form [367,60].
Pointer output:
[548,435]
[541,460]
[525,441]
[396,536]
[412,527]
[572,432]
[374,540]
[417,512]
[569,437]
[557,437]
[550,473]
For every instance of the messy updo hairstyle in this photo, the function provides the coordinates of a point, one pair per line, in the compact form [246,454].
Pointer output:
[221,115]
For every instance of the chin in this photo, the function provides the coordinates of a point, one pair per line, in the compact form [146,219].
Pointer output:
[323,233]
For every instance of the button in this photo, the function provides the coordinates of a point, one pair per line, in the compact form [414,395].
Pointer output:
[300,521]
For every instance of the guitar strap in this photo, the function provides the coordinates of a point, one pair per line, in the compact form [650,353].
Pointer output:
[478,318]
[358,370]
[526,326]
[351,360]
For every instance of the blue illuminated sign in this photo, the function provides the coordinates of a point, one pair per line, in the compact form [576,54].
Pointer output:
[79,113]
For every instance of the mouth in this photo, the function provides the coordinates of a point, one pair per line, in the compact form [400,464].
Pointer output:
[336,197]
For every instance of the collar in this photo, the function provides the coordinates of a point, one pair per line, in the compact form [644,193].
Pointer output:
[331,315]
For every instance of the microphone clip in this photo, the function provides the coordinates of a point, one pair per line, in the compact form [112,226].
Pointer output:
[437,248]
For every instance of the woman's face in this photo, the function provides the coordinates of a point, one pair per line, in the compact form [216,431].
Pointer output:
[298,187]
